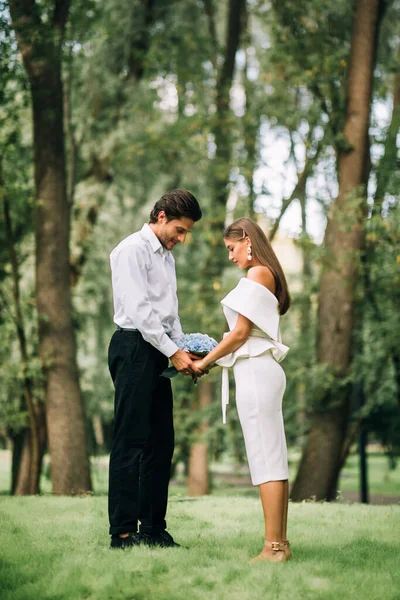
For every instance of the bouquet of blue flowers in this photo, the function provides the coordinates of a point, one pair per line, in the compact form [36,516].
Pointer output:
[195,343]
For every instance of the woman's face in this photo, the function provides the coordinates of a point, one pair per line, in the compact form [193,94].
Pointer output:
[238,251]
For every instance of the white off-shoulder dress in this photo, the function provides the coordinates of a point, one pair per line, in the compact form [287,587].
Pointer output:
[259,380]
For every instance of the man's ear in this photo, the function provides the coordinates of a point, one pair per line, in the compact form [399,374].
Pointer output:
[161,217]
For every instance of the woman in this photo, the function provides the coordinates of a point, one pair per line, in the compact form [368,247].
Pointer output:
[253,347]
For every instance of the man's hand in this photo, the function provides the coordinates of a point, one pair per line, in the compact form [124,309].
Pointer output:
[193,356]
[184,364]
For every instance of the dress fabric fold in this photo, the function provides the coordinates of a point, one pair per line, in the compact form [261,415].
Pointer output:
[255,302]
[259,379]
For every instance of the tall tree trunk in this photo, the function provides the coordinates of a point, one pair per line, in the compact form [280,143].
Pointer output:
[40,44]
[27,465]
[251,121]
[25,480]
[223,122]
[305,314]
[198,480]
[214,261]
[320,463]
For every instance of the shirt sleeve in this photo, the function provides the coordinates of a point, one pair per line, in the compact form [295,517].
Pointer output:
[131,284]
[176,332]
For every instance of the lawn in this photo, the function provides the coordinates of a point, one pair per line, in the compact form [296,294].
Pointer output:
[57,548]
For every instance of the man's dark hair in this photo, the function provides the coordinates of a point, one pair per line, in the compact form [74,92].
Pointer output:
[177,204]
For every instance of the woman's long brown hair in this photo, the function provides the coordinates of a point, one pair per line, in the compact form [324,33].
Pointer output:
[263,252]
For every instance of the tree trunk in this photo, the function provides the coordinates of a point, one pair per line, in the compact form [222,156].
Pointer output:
[25,480]
[198,476]
[17,446]
[41,48]
[305,314]
[27,465]
[251,121]
[98,433]
[320,463]
[214,260]
[223,122]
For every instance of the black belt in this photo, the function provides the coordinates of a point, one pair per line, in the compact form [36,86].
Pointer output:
[126,329]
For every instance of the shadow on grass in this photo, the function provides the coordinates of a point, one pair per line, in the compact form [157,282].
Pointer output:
[11,578]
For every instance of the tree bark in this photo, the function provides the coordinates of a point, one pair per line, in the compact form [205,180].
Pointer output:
[27,465]
[222,126]
[214,261]
[41,48]
[251,123]
[24,481]
[321,459]
[198,480]
[305,314]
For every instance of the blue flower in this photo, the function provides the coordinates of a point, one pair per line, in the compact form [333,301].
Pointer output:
[197,343]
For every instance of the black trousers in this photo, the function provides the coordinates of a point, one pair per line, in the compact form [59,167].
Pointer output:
[143,435]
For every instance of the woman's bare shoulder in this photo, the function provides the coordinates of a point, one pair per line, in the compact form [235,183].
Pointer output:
[262,275]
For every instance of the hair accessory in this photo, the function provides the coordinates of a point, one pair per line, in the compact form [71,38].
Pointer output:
[244,234]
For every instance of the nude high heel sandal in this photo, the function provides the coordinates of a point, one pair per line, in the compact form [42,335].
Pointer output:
[272,552]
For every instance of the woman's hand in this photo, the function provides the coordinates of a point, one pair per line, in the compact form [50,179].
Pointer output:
[184,364]
[200,365]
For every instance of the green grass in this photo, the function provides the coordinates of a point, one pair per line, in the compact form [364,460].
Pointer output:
[57,548]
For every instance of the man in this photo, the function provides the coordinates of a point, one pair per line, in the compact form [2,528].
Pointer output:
[146,313]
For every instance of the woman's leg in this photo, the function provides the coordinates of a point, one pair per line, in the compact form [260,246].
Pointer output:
[273,496]
[285,509]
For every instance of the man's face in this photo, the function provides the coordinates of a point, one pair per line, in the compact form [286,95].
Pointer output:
[171,232]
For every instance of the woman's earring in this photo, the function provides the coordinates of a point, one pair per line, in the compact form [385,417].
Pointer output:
[249,255]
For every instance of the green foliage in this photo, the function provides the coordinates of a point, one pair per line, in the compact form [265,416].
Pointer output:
[16,188]
[13,415]
[377,365]
[15,142]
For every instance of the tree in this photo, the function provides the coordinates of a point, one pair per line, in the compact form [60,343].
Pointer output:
[27,473]
[25,417]
[40,33]
[321,459]
[198,483]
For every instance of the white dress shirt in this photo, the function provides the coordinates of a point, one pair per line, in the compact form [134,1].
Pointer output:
[144,289]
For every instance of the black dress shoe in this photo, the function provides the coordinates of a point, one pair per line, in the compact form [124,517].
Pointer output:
[133,539]
[162,540]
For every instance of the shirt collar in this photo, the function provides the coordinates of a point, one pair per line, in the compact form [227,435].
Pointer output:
[151,237]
